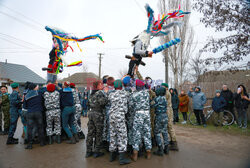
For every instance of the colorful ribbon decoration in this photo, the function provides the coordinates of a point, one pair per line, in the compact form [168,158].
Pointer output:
[166,45]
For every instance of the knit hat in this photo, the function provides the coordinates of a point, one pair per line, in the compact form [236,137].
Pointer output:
[51,87]
[161,91]
[217,91]
[139,83]
[14,85]
[66,83]
[126,80]
[164,84]
[72,85]
[32,86]
[110,81]
[118,83]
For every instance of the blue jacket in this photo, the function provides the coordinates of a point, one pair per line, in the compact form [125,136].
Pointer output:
[218,104]
[33,101]
[199,99]
[15,100]
[66,97]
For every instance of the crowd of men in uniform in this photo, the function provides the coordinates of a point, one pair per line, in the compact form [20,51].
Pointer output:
[125,116]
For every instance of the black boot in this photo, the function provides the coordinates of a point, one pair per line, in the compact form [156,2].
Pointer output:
[166,149]
[112,156]
[6,131]
[174,146]
[88,154]
[72,140]
[58,139]
[81,135]
[159,152]
[11,141]
[1,131]
[29,146]
[42,142]
[76,137]
[15,139]
[130,149]
[50,140]
[25,141]
[122,159]
[98,154]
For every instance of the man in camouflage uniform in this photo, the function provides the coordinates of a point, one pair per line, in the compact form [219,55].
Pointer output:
[130,114]
[97,102]
[107,90]
[53,112]
[15,107]
[141,125]
[5,107]
[152,110]
[171,131]
[161,121]
[78,112]
[118,131]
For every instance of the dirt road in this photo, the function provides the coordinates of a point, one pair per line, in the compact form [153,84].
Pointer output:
[199,148]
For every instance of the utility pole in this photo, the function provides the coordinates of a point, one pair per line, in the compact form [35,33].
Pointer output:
[165,53]
[100,63]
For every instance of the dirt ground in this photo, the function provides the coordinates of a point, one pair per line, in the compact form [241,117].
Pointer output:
[199,148]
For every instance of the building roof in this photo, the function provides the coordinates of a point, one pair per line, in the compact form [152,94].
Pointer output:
[81,78]
[19,73]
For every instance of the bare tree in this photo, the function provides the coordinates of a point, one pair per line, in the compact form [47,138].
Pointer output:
[84,67]
[198,66]
[178,55]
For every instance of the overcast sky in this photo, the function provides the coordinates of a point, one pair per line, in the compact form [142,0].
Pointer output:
[118,21]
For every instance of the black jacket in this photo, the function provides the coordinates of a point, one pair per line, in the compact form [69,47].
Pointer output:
[229,97]
[239,102]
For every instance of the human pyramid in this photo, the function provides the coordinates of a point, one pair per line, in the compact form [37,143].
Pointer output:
[125,115]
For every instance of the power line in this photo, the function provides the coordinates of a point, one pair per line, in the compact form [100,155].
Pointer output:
[19,13]
[21,40]
[23,22]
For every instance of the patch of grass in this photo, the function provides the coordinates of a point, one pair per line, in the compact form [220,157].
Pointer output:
[232,129]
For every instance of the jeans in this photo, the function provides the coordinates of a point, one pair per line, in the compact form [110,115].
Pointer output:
[84,112]
[199,116]
[184,114]
[35,119]
[68,120]
[242,115]
[51,77]
[14,115]
[176,115]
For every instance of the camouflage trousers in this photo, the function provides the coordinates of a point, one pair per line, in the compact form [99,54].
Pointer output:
[152,118]
[142,129]
[77,117]
[171,130]
[53,116]
[95,130]
[6,117]
[130,120]
[106,131]
[161,122]
[118,132]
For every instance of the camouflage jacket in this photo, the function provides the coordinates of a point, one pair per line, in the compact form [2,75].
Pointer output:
[160,105]
[118,101]
[52,100]
[15,100]
[5,100]
[97,101]
[76,97]
[140,100]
